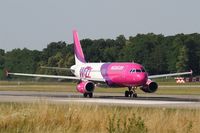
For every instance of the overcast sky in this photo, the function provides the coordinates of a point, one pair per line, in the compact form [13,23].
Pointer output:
[35,23]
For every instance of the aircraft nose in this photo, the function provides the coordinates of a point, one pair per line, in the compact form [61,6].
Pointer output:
[142,78]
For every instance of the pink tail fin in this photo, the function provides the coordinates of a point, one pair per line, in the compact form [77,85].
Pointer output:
[79,56]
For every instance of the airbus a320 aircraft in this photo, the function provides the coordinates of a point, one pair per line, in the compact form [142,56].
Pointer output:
[118,74]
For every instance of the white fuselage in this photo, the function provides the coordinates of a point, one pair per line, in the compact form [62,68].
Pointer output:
[88,70]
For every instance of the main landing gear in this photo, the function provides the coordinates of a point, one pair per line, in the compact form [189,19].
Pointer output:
[131,92]
[88,94]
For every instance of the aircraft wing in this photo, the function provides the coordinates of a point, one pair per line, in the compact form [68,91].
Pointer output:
[55,76]
[44,76]
[169,75]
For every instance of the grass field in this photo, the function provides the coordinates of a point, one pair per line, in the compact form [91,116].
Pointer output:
[45,117]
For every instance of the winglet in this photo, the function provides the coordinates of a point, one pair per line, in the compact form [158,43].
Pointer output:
[6,73]
[79,56]
[191,71]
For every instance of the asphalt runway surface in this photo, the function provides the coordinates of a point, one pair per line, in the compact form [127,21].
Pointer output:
[147,100]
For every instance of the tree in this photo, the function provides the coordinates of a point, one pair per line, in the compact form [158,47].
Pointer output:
[2,52]
[20,61]
[193,54]
[2,62]
[53,48]
[174,45]
[182,62]
[158,54]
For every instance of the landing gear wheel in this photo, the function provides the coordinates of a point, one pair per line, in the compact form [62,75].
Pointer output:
[134,94]
[126,93]
[85,94]
[131,92]
[90,95]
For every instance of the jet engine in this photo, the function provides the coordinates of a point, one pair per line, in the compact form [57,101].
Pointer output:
[85,87]
[150,86]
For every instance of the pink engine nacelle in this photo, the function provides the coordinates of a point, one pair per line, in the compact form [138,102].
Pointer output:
[85,87]
[150,86]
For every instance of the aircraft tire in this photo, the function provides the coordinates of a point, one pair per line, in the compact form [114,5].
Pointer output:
[134,94]
[90,95]
[85,95]
[131,93]
[126,93]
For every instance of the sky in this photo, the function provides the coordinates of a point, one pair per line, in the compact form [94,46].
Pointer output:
[33,24]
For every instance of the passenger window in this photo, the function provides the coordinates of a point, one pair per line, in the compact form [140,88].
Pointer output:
[132,70]
[143,70]
[138,70]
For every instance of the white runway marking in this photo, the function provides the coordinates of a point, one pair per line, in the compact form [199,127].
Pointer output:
[114,101]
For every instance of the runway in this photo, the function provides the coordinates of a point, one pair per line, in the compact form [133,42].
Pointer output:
[147,100]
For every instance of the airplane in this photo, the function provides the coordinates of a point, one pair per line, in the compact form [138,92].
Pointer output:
[116,74]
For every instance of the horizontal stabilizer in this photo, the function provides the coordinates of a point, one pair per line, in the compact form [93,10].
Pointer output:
[56,68]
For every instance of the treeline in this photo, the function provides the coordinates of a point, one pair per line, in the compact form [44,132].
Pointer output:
[159,54]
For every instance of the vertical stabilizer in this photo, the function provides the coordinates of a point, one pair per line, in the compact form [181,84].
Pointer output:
[78,53]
